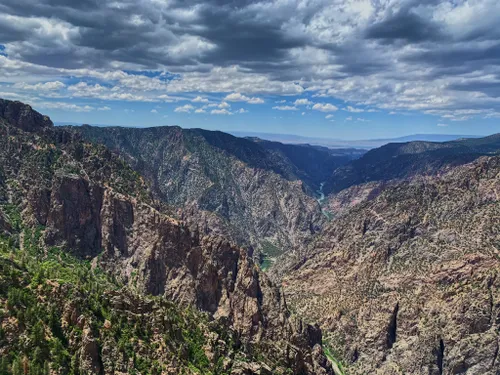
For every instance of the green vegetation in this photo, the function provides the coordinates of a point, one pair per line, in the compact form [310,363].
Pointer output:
[268,253]
[337,364]
[50,301]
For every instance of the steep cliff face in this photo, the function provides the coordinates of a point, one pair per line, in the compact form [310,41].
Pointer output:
[23,116]
[407,282]
[257,195]
[80,198]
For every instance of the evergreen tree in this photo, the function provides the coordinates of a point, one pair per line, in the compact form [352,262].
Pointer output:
[17,367]
[4,365]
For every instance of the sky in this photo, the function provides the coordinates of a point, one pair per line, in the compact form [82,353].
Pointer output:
[322,68]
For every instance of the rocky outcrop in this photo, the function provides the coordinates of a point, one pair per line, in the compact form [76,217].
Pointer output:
[408,282]
[5,227]
[89,355]
[73,217]
[23,116]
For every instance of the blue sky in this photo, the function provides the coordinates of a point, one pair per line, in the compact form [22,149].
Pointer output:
[353,69]
[304,121]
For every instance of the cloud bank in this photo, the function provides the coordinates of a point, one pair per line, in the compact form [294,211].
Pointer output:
[436,57]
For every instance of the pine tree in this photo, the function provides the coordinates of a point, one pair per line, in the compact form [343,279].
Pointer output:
[17,367]
[4,365]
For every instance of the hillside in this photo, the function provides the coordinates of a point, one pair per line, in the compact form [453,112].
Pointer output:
[402,160]
[97,279]
[408,282]
[314,164]
[259,193]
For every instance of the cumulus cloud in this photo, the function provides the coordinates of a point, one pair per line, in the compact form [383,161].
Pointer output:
[154,111]
[238,97]
[66,106]
[46,86]
[200,99]
[435,57]
[328,116]
[200,110]
[303,102]
[352,109]
[220,112]
[187,108]
[324,107]
[285,108]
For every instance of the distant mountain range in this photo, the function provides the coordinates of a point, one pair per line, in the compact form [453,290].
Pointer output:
[340,143]
[402,160]
[330,142]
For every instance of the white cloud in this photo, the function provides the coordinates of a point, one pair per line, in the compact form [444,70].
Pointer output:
[442,125]
[348,118]
[324,107]
[154,111]
[353,110]
[169,99]
[66,106]
[285,108]
[220,112]
[187,108]
[303,113]
[224,105]
[200,110]
[105,108]
[256,101]
[303,102]
[11,95]
[328,116]
[238,97]
[84,89]
[241,110]
[444,71]
[47,86]
[200,99]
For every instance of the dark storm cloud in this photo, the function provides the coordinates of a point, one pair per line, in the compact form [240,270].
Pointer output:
[109,34]
[466,58]
[491,89]
[405,26]
[389,46]
[243,39]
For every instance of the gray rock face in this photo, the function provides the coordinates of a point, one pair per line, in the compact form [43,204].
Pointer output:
[409,280]
[158,255]
[23,116]
[74,215]
[238,187]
